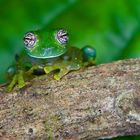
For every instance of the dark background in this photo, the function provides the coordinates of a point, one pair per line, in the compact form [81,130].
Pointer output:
[112,27]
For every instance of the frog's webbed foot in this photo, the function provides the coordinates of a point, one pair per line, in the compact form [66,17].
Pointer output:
[61,73]
[63,68]
[20,77]
[17,79]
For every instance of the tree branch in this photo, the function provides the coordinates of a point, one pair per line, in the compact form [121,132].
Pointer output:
[97,102]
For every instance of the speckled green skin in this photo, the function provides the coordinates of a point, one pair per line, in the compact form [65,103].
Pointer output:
[49,55]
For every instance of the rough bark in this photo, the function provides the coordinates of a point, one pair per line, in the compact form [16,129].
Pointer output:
[96,102]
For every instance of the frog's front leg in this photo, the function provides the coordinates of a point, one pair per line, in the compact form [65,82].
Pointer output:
[62,70]
[63,67]
[20,79]
[17,79]
[61,73]
[12,84]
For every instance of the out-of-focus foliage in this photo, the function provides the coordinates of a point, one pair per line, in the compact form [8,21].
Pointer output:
[112,27]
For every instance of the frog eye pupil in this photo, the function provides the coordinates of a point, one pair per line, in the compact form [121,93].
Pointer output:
[29,40]
[62,36]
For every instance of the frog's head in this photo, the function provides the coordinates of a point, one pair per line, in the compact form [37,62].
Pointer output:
[46,44]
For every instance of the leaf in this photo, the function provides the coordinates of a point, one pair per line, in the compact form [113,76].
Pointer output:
[111,27]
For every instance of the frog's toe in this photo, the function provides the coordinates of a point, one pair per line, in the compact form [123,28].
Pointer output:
[60,74]
[12,84]
[21,82]
[48,69]
[17,80]
[57,77]
[21,85]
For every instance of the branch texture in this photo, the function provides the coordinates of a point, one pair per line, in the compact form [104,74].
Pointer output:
[96,102]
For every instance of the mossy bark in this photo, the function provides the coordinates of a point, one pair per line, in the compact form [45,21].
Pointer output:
[96,102]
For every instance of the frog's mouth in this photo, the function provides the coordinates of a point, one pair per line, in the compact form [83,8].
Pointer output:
[44,53]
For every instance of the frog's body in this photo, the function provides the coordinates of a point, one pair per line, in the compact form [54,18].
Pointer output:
[47,52]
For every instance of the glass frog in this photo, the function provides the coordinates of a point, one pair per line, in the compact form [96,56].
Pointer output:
[46,52]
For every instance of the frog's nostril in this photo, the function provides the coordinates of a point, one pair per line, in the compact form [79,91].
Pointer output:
[29,40]
[62,36]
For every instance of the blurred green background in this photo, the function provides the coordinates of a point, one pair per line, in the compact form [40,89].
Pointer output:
[112,27]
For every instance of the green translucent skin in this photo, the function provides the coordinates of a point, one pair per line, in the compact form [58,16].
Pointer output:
[46,56]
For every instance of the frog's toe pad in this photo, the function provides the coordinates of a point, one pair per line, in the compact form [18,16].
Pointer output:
[47,70]
[12,84]
[57,77]
[21,85]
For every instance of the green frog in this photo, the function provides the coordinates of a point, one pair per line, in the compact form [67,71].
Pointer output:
[46,52]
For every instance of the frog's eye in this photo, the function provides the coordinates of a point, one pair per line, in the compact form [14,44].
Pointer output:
[62,36]
[29,40]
